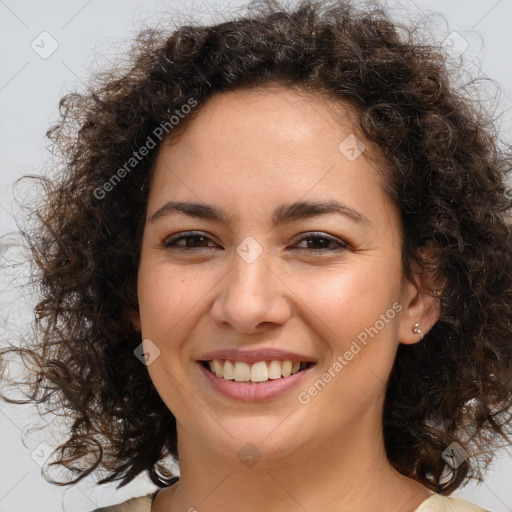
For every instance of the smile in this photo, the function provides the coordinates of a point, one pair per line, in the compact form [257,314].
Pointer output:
[260,371]
[253,381]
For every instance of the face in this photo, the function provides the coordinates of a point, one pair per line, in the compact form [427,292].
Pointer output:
[267,241]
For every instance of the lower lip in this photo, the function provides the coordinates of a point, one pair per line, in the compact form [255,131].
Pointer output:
[251,391]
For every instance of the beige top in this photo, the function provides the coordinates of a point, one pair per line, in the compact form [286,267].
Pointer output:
[436,503]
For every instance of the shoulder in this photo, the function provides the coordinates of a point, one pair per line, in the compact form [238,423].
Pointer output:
[140,504]
[438,503]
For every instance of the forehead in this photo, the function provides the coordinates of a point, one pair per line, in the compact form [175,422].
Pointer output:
[269,114]
[275,127]
[253,149]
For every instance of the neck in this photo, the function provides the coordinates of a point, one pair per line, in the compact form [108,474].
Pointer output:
[349,472]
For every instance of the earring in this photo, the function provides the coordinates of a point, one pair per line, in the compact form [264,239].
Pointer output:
[416,329]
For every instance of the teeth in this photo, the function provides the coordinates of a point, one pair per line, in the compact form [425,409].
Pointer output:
[274,370]
[286,368]
[257,372]
[217,367]
[242,372]
[228,371]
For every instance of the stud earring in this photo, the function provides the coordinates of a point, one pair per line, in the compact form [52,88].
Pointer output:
[416,329]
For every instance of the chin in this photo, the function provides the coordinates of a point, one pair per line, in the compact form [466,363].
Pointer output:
[257,440]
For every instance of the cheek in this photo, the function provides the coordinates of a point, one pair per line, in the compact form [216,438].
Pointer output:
[349,300]
[167,296]
[167,303]
[355,313]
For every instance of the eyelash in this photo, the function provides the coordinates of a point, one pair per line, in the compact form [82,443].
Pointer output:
[169,243]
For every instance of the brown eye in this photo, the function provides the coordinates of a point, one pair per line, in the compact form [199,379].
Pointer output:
[321,242]
[188,240]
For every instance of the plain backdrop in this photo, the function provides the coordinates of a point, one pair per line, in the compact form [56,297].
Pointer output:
[49,48]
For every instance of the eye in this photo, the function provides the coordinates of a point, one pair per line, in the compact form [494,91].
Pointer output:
[185,241]
[315,242]
[318,242]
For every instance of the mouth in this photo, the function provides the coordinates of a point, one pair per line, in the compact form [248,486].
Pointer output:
[255,375]
[258,372]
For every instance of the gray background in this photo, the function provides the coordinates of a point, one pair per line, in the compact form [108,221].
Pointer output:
[32,82]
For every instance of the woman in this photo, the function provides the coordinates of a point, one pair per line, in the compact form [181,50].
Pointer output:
[279,251]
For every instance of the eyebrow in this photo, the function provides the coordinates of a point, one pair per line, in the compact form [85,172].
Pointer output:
[281,215]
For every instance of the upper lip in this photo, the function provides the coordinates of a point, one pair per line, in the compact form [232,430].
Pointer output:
[255,355]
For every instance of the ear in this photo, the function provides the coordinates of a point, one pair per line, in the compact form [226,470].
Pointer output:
[134,318]
[421,306]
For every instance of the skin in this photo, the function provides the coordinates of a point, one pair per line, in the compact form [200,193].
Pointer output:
[246,153]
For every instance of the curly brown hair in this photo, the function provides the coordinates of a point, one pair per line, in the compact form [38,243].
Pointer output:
[445,169]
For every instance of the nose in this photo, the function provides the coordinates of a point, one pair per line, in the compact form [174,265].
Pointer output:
[252,296]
